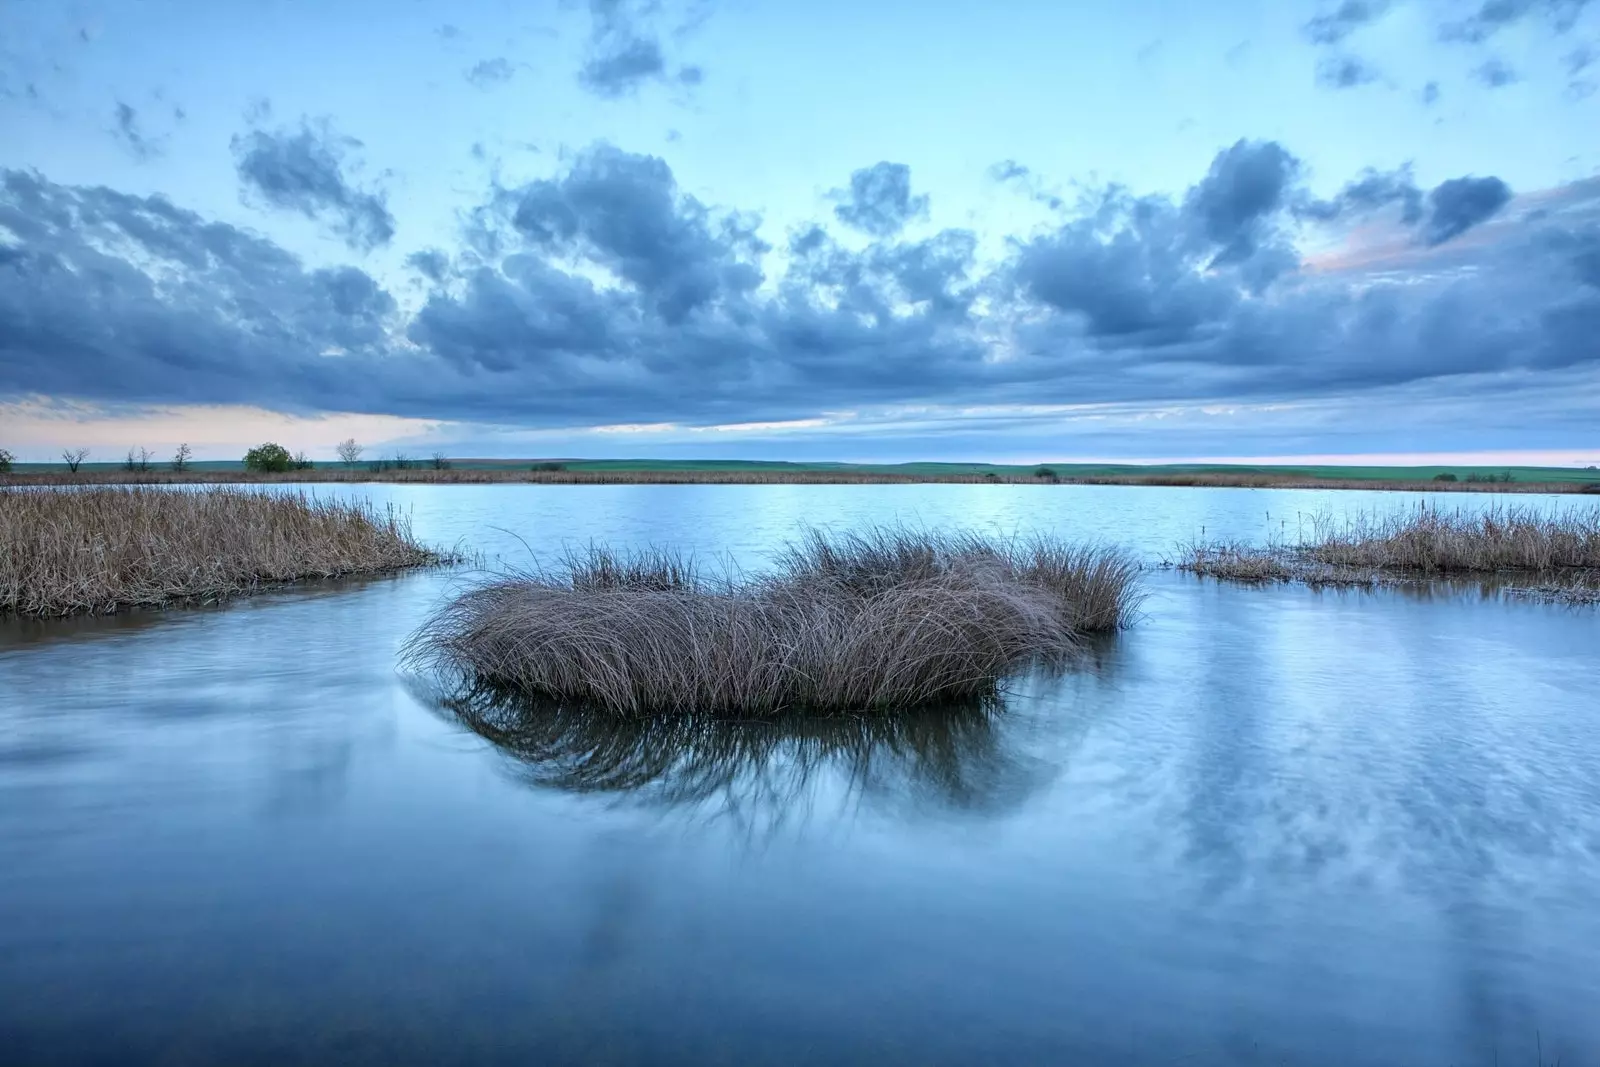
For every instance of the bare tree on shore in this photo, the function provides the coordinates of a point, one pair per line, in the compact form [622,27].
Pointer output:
[349,451]
[180,459]
[74,457]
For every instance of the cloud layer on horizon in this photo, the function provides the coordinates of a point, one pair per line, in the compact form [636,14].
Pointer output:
[606,294]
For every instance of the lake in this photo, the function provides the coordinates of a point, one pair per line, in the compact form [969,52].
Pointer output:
[1266,825]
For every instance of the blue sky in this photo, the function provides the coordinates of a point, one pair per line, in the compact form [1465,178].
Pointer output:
[884,231]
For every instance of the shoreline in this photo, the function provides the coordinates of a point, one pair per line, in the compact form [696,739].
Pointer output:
[480,476]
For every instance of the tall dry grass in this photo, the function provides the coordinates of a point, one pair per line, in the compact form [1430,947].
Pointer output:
[881,620]
[1515,542]
[65,552]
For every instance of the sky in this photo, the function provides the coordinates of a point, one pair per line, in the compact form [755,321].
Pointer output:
[1248,230]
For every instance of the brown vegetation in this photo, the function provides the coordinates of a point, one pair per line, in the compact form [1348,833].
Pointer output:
[889,619]
[65,552]
[1546,553]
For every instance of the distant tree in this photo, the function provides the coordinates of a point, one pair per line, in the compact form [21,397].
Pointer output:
[440,463]
[74,457]
[1047,474]
[549,467]
[349,451]
[144,459]
[401,461]
[302,462]
[1445,477]
[180,458]
[6,459]
[132,462]
[269,459]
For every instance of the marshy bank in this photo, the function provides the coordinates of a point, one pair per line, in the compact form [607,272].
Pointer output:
[1556,556]
[67,552]
[469,472]
[885,619]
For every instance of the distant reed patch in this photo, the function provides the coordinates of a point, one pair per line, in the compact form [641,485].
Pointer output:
[97,550]
[1555,555]
[878,620]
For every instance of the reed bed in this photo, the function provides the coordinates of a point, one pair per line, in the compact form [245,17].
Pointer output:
[881,620]
[1536,550]
[98,550]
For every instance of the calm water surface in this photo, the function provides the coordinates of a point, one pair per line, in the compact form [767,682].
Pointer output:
[1264,826]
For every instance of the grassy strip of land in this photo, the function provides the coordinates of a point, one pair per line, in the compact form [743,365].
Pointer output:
[99,550]
[881,620]
[619,472]
[1557,555]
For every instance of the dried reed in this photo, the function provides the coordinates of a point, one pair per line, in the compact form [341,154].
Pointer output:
[879,620]
[1558,550]
[65,552]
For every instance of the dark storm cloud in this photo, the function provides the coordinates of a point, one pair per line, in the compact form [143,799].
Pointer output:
[622,68]
[1345,72]
[1494,73]
[488,73]
[1495,15]
[1455,206]
[131,135]
[1334,26]
[1450,209]
[1371,191]
[606,294]
[431,263]
[303,171]
[879,201]
[625,52]
[1237,201]
[625,212]
[182,310]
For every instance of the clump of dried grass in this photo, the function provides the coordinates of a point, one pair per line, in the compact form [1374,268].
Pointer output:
[879,620]
[65,552]
[1560,550]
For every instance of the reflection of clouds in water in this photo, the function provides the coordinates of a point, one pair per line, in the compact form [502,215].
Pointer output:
[260,696]
[979,758]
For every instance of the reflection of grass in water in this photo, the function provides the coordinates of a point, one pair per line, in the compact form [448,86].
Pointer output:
[955,757]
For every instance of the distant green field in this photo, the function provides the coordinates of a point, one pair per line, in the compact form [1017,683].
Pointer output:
[1065,470]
